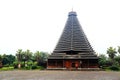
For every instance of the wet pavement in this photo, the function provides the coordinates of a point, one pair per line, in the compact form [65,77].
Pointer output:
[58,75]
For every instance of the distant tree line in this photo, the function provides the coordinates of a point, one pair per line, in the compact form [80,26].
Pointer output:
[24,59]
[29,60]
[112,61]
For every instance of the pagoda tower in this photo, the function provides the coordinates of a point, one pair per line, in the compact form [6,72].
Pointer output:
[73,50]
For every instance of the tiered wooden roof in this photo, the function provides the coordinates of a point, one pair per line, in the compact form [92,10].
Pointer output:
[73,40]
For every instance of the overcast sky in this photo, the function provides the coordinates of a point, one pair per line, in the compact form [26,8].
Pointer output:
[38,24]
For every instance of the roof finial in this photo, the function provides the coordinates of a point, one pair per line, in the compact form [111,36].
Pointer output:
[72,9]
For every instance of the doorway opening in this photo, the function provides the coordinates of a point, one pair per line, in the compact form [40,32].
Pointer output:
[73,65]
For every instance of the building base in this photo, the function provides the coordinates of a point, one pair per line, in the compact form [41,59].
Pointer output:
[75,69]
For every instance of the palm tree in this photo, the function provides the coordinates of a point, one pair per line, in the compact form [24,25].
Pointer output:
[111,52]
[27,55]
[37,56]
[19,55]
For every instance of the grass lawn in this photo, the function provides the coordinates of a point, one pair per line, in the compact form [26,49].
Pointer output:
[6,68]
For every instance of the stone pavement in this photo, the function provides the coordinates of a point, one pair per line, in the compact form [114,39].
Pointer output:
[58,75]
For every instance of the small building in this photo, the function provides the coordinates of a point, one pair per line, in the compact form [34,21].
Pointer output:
[73,50]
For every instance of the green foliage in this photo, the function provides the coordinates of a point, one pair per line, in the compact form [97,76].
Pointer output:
[1,61]
[119,49]
[19,55]
[109,62]
[44,56]
[23,55]
[41,57]
[40,67]
[26,59]
[102,60]
[113,60]
[111,52]
[27,55]
[6,68]
[34,67]
[37,56]
[27,68]
[8,59]
[114,68]
[30,63]
[1,58]
[7,65]
[117,59]
[15,64]
[5,60]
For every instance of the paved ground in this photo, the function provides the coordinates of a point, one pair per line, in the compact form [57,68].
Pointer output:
[59,75]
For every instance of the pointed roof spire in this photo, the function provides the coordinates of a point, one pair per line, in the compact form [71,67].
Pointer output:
[73,37]
[72,9]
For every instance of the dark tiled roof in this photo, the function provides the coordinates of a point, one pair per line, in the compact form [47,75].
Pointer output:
[73,43]
[73,37]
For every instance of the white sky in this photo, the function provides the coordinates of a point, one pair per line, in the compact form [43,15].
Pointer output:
[38,24]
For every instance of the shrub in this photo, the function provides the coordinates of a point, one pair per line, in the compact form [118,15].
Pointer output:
[34,67]
[15,64]
[114,68]
[41,67]
[7,65]
[27,68]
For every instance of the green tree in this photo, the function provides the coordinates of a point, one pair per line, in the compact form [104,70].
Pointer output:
[27,55]
[119,49]
[8,59]
[102,60]
[111,52]
[11,59]
[5,59]
[117,59]
[0,61]
[44,56]
[23,55]
[37,56]
[19,55]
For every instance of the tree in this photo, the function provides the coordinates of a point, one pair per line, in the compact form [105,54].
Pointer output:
[19,55]
[44,56]
[111,52]
[23,55]
[0,61]
[119,49]
[102,60]
[0,57]
[117,59]
[5,60]
[37,56]
[27,55]
[11,59]
[8,59]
